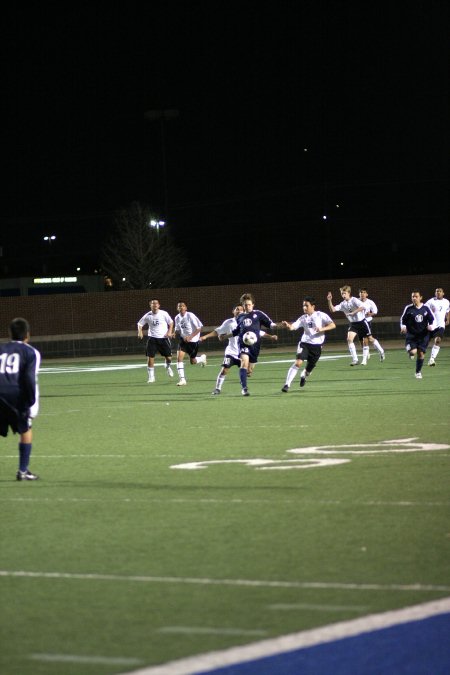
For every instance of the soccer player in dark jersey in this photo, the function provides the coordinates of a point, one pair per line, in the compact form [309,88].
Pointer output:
[250,320]
[19,394]
[417,322]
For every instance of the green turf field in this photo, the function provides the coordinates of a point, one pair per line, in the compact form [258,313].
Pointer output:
[115,559]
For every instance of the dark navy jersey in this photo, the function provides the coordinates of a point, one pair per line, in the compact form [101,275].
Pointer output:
[254,321]
[417,319]
[19,363]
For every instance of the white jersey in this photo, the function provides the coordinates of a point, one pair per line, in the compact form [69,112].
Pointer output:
[158,323]
[310,323]
[187,324]
[369,306]
[227,327]
[34,410]
[348,306]
[439,308]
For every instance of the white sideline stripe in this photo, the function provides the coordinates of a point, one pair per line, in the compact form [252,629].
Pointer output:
[78,658]
[198,630]
[254,583]
[204,663]
[319,608]
[90,369]
[206,500]
[54,370]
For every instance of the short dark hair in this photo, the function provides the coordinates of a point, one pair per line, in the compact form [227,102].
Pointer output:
[310,299]
[19,329]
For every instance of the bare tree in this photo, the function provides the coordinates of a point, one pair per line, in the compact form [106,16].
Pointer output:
[142,255]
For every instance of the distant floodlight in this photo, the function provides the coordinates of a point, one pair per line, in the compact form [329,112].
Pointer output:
[324,217]
[50,238]
[157,224]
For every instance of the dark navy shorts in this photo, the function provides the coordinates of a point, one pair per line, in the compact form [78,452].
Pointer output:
[190,348]
[361,328]
[417,342]
[310,353]
[160,345]
[229,361]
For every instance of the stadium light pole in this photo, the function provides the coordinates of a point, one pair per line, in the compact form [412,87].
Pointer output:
[47,239]
[157,224]
[163,116]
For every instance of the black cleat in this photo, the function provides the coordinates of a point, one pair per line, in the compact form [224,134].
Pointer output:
[303,381]
[216,392]
[26,475]
[285,389]
[245,392]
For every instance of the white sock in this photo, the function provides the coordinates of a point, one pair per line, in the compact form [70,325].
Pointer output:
[180,368]
[292,372]
[352,350]
[219,382]
[435,351]
[377,346]
[365,353]
[151,371]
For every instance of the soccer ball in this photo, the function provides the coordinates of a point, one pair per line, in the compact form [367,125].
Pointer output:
[249,338]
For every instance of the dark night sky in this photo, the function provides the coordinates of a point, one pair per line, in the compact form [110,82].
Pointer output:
[363,87]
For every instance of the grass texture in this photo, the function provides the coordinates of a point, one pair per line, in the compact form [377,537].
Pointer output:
[115,559]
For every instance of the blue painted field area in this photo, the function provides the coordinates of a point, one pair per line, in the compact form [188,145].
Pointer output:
[416,648]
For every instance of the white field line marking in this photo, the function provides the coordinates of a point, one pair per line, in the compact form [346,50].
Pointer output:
[55,370]
[319,608]
[214,500]
[391,446]
[254,426]
[402,445]
[204,663]
[205,581]
[51,370]
[198,630]
[95,456]
[263,464]
[78,658]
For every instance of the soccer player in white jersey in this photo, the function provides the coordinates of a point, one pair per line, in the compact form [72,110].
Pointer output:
[371,311]
[231,356]
[160,330]
[188,327]
[314,324]
[356,314]
[440,307]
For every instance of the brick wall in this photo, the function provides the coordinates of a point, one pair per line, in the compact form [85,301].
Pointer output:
[119,311]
